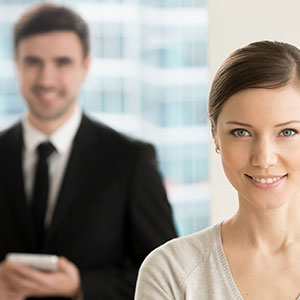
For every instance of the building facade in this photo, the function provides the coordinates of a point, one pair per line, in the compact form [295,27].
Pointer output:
[149,79]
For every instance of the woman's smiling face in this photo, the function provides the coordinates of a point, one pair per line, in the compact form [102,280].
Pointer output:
[258,133]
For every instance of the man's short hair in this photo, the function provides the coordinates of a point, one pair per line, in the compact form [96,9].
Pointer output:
[47,17]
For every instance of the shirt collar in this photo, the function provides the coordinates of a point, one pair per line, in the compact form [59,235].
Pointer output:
[61,138]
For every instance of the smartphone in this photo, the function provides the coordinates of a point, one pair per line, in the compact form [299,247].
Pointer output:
[42,262]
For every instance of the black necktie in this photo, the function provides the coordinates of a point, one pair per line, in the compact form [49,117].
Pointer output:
[41,189]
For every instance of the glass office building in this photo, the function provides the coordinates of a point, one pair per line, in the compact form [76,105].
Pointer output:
[149,79]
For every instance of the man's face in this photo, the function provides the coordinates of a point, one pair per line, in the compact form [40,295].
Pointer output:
[51,69]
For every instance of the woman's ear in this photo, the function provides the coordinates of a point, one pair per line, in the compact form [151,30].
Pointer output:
[214,136]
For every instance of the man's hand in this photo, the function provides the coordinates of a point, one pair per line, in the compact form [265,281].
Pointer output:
[19,281]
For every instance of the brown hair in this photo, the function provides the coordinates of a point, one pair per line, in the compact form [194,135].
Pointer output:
[47,17]
[262,64]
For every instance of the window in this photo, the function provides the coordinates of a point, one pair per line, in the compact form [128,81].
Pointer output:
[148,79]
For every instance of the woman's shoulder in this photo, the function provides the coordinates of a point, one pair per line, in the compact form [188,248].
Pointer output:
[179,263]
[185,253]
[197,243]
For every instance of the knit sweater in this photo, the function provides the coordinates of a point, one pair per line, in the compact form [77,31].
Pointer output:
[188,268]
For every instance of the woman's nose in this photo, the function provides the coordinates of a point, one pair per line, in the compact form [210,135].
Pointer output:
[264,153]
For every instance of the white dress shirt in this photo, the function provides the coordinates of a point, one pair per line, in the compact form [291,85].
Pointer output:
[62,140]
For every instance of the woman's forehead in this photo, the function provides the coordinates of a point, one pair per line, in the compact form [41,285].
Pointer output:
[268,104]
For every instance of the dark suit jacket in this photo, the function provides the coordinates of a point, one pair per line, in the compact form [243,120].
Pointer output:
[111,211]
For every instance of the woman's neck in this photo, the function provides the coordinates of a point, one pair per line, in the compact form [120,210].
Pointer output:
[266,230]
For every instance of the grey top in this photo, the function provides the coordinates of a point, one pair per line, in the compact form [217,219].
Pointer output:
[188,268]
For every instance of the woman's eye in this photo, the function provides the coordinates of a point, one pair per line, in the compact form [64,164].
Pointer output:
[240,132]
[288,132]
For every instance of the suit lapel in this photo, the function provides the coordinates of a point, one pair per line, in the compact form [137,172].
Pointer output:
[15,184]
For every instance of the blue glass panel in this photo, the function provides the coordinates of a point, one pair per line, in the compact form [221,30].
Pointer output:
[134,74]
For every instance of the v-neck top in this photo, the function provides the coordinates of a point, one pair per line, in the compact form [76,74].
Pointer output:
[193,267]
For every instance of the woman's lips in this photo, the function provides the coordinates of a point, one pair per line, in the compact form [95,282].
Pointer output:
[269,181]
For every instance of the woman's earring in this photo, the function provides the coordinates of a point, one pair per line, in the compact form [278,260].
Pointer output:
[218,150]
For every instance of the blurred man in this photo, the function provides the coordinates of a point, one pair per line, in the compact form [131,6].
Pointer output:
[69,185]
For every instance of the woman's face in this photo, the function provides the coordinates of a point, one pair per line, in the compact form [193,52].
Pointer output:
[258,133]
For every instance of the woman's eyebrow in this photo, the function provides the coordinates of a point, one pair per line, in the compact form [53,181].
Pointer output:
[287,123]
[239,123]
